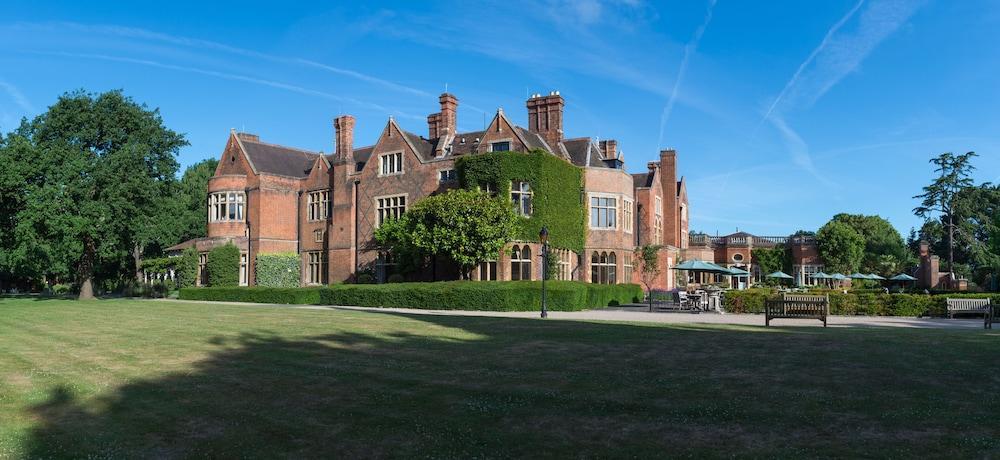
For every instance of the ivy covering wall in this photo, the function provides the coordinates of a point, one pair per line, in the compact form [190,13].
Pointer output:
[278,270]
[555,183]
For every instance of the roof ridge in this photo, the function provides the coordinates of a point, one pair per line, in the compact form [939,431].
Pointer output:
[284,147]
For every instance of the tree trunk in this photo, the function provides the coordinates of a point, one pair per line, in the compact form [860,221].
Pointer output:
[951,251]
[86,270]
[137,258]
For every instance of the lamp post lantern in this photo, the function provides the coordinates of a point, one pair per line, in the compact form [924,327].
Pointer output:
[543,236]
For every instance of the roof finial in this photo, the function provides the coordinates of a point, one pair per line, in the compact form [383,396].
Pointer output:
[446,87]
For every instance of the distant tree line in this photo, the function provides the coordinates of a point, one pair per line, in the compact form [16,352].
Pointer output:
[88,189]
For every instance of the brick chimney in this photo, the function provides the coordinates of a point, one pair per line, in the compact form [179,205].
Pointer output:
[668,181]
[609,148]
[433,125]
[344,128]
[545,117]
[449,114]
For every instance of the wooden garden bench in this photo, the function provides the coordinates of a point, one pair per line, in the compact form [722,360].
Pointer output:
[797,306]
[972,306]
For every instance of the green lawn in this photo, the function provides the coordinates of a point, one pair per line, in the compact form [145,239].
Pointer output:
[157,379]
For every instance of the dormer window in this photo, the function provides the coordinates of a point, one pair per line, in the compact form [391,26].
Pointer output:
[500,146]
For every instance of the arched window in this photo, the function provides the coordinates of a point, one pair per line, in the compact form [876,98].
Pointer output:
[520,263]
[595,271]
[602,268]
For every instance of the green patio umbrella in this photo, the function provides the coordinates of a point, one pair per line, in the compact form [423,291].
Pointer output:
[820,276]
[902,277]
[859,276]
[780,275]
[875,277]
[838,277]
[700,266]
[738,272]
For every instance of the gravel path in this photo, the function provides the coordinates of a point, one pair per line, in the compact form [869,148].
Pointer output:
[636,314]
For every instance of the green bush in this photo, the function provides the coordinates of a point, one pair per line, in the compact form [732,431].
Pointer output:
[296,295]
[223,266]
[61,289]
[856,303]
[187,268]
[450,295]
[278,270]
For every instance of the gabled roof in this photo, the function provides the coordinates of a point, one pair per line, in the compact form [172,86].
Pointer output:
[278,159]
[470,145]
[583,152]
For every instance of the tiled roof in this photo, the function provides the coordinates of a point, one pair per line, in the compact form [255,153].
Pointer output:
[583,152]
[642,180]
[424,147]
[470,145]
[533,140]
[279,160]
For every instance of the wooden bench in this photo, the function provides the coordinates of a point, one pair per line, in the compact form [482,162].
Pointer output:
[972,306]
[797,306]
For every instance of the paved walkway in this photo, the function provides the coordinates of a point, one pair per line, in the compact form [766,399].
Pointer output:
[636,315]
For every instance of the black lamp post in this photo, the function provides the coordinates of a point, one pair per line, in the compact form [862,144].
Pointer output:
[543,236]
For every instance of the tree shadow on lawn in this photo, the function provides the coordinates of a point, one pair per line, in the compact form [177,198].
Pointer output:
[441,386]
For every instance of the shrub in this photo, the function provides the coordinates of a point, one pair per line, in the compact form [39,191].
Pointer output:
[856,303]
[296,295]
[187,268]
[278,270]
[223,266]
[450,295]
[61,289]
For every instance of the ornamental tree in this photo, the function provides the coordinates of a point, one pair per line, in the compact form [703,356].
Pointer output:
[939,196]
[840,246]
[83,186]
[467,226]
[648,257]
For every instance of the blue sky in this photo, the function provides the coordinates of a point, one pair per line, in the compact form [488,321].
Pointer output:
[782,113]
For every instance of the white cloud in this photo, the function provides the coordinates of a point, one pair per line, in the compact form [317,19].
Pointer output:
[244,78]
[143,34]
[17,96]
[689,49]
[838,54]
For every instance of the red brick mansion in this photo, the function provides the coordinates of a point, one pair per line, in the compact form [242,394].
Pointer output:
[268,198]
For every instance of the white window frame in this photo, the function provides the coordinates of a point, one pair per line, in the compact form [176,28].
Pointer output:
[605,267]
[317,265]
[612,212]
[318,205]
[227,206]
[628,214]
[518,196]
[444,173]
[522,261]
[510,145]
[390,164]
[244,269]
[319,235]
[385,208]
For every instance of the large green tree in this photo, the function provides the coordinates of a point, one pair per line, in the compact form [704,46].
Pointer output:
[467,226]
[92,173]
[884,249]
[938,199]
[840,246]
[190,216]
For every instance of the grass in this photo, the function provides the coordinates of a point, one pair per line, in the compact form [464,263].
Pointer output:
[159,379]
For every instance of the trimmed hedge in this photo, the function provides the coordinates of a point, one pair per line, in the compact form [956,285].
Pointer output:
[449,295]
[223,266]
[862,303]
[278,270]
